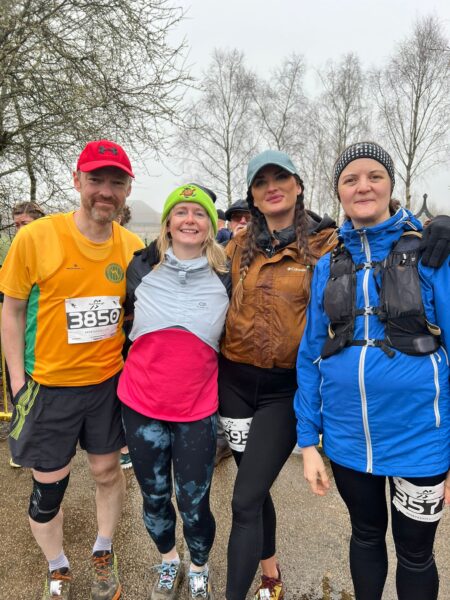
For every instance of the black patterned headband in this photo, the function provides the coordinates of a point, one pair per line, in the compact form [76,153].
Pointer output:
[363,150]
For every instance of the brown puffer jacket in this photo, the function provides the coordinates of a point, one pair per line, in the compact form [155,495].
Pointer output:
[267,328]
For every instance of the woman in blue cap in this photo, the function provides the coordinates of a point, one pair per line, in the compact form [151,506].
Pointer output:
[177,289]
[271,264]
[373,376]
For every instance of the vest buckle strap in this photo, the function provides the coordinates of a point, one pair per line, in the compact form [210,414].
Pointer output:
[366,265]
[366,311]
[382,344]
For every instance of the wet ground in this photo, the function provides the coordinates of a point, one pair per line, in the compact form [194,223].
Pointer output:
[313,536]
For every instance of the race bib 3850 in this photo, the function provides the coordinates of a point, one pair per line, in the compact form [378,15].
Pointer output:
[92,319]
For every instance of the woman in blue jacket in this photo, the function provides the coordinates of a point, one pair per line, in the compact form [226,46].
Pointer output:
[373,377]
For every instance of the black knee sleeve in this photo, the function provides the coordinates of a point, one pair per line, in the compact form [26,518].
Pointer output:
[418,564]
[46,499]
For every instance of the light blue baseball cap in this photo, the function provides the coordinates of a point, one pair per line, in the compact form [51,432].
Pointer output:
[269,157]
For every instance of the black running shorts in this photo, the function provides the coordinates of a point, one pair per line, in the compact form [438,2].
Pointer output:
[48,422]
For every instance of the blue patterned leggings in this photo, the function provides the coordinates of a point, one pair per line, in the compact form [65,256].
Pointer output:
[155,446]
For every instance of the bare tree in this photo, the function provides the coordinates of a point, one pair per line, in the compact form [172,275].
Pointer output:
[413,99]
[218,135]
[75,70]
[281,104]
[339,118]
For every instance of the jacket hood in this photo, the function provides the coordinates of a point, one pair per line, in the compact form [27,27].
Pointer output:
[380,236]
[318,223]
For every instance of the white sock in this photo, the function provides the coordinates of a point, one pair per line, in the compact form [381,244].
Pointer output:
[102,544]
[60,562]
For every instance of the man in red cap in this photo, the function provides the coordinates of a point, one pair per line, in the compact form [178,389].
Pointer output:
[64,284]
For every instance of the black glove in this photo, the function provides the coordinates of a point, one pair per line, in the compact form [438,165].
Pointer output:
[435,244]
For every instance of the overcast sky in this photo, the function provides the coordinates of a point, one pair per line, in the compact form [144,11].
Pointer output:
[267,31]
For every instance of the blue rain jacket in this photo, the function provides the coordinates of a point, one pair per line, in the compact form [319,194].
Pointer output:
[380,415]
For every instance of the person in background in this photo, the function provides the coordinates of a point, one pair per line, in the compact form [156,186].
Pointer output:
[223,233]
[26,212]
[64,284]
[22,214]
[125,216]
[238,215]
[178,291]
[373,376]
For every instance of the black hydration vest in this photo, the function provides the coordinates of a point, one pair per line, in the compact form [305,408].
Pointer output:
[401,308]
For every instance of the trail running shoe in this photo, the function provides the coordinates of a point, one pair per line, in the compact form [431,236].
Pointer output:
[270,588]
[125,461]
[170,577]
[200,585]
[106,585]
[57,584]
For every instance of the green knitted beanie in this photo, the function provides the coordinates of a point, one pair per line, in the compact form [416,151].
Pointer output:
[191,193]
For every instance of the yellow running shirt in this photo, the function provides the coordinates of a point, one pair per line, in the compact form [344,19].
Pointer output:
[75,289]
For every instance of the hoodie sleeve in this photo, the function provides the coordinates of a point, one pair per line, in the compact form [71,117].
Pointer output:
[307,401]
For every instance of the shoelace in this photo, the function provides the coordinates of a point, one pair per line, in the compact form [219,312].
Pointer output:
[102,566]
[167,574]
[198,584]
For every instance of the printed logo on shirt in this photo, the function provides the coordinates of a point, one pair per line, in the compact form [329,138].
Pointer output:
[420,503]
[114,273]
[236,432]
[74,267]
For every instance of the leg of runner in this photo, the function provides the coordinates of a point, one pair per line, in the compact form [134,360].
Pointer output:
[110,493]
[193,452]
[49,536]
[417,506]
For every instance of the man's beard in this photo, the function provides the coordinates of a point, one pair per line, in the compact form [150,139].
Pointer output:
[102,217]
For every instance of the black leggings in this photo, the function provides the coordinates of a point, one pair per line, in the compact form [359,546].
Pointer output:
[416,508]
[189,448]
[256,411]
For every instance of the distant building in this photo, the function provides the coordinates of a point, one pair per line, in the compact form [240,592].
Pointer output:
[145,221]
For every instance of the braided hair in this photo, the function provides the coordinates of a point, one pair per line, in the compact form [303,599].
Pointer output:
[258,224]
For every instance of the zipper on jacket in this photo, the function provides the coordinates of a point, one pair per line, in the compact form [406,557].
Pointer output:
[368,255]
[365,417]
[438,391]
[362,359]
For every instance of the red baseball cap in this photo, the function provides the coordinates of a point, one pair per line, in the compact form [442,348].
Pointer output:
[103,153]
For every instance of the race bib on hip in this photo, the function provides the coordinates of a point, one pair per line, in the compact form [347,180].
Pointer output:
[236,432]
[420,503]
[92,319]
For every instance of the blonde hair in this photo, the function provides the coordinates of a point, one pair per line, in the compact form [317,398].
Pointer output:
[214,252]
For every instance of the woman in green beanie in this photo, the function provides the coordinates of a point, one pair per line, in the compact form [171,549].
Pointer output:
[177,289]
